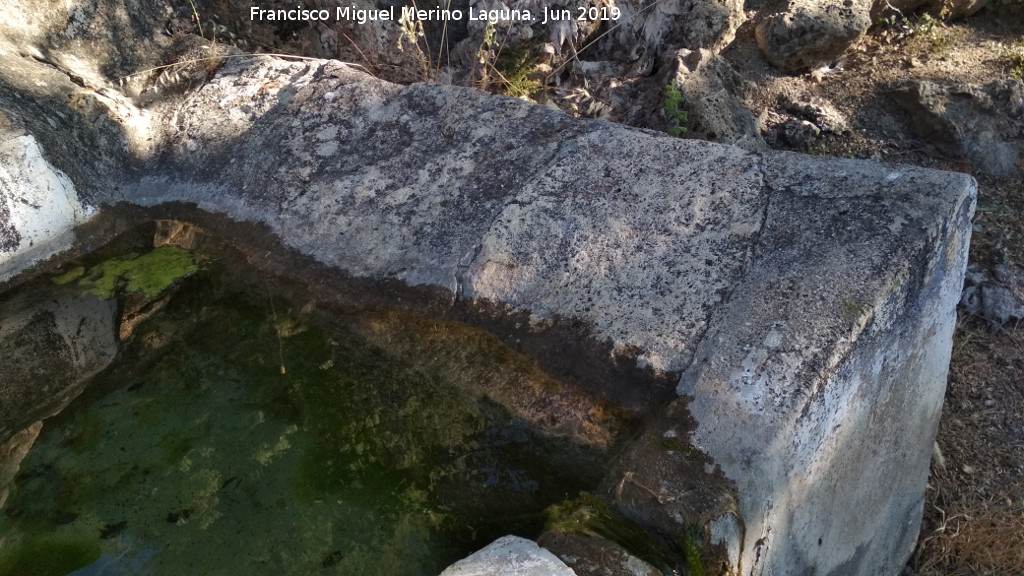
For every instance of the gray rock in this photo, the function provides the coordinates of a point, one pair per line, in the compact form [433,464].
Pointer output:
[510,556]
[811,33]
[713,96]
[808,303]
[995,297]
[878,352]
[951,8]
[710,86]
[797,134]
[692,24]
[39,207]
[51,343]
[12,452]
[819,112]
[981,124]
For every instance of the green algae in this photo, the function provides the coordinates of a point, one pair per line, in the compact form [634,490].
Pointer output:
[592,516]
[690,541]
[149,274]
[359,458]
[49,556]
[70,276]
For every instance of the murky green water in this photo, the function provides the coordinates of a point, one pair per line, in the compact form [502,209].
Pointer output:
[241,434]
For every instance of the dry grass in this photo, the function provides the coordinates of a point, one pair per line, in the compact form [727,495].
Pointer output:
[974,515]
[985,538]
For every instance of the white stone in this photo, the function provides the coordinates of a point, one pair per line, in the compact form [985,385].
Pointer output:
[510,556]
[41,204]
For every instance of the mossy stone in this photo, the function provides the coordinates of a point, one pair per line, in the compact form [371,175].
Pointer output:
[149,274]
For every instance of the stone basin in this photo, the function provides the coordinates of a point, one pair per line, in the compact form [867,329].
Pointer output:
[801,309]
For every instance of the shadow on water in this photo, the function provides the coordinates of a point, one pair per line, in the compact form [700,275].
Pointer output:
[240,432]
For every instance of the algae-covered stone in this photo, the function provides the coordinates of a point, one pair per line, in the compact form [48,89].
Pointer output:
[49,556]
[148,274]
[594,556]
[51,344]
[595,539]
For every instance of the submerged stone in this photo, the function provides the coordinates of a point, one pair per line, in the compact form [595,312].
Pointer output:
[49,557]
[51,341]
[149,274]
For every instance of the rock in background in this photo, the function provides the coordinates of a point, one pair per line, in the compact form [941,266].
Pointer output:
[981,124]
[939,8]
[810,33]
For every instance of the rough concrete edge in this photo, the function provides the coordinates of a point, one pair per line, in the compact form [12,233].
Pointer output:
[959,194]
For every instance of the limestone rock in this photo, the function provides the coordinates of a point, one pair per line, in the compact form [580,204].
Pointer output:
[12,452]
[811,33]
[692,24]
[796,134]
[949,8]
[51,343]
[894,353]
[712,95]
[39,206]
[995,295]
[819,112]
[510,556]
[981,124]
[709,87]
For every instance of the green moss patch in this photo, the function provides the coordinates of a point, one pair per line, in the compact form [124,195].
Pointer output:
[49,557]
[70,276]
[149,274]
[592,516]
[385,444]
